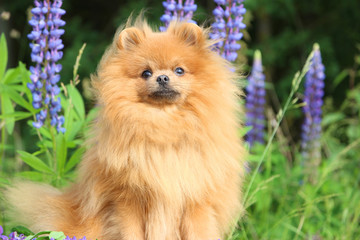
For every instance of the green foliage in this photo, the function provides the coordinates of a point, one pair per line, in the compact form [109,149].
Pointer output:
[280,202]
[22,230]
[44,235]
[57,153]
[48,235]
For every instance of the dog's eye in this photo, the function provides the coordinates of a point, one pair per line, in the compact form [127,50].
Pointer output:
[146,74]
[179,71]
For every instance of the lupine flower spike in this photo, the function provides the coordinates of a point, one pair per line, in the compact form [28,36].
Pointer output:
[177,10]
[227,26]
[314,91]
[46,50]
[255,102]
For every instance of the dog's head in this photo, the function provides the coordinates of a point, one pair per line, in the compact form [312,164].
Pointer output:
[158,68]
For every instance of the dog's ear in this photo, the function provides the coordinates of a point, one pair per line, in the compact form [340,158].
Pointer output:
[191,33]
[130,37]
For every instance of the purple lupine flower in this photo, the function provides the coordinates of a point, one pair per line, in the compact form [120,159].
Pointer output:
[177,10]
[46,50]
[3,237]
[314,91]
[74,238]
[12,236]
[255,102]
[16,236]
[226,28]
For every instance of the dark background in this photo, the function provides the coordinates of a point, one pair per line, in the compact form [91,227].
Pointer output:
[284,31]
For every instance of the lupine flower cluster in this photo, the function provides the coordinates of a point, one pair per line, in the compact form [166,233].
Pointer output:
[255,102]
[46,49]
[314,91]
[177,10]
[228,23]
[16,236]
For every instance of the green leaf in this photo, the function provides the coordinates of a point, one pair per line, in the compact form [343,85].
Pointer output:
[75,159]
[25,75]
[7,108]
[22,230]
[3,56]
[44,131]
[36,235]
[353,131]
[243,131]
[72,144]
[92,115]
[340,77]
[57,235]
[18,99]
[77,101]
[75,128]
[331,118]
[34,162]
[47,144]
[12,76]
[17,115]
[69,115]
[64,101]
[16,87]
[32,175]
[61,152]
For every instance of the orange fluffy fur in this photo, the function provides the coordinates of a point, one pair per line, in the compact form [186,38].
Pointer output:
[158,168]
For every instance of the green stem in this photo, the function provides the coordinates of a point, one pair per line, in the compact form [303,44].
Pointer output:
[255,172]
[295,85]
[40,233]
[2,147]
[53,138]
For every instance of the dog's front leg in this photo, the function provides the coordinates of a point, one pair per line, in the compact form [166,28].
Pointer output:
[199,223]
[129,221]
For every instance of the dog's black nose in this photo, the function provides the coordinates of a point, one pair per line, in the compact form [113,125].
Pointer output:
[163,79]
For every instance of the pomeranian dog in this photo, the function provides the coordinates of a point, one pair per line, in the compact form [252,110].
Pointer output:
[165,159]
